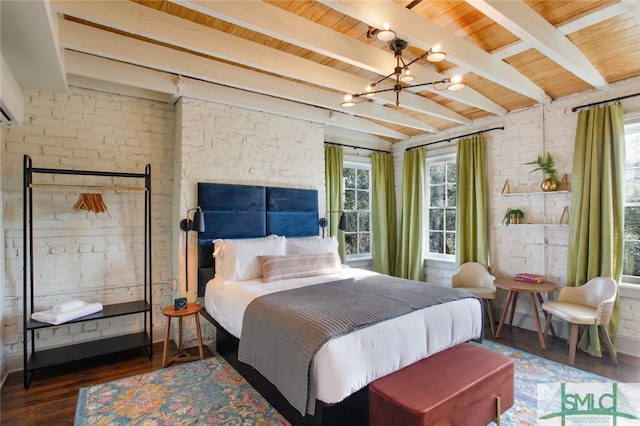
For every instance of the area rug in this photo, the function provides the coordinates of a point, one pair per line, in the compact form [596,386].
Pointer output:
[202,392]
[531,372]
[210,391]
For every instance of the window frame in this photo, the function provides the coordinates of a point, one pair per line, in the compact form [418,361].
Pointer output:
[359,163]
[440,157]
[630,119]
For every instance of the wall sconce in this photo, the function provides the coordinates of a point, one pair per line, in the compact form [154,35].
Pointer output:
[341,226]
[197,224]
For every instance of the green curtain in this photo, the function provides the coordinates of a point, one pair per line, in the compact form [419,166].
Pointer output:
[409,261]
[472,231]
[333,165]
[383,214]
[596,217]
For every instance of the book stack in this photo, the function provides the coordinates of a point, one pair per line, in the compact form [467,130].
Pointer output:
[529,278]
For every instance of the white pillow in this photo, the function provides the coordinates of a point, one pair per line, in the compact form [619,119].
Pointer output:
[237,260]
[277,268]
[314,245]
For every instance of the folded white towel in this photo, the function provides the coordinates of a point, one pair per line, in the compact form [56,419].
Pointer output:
[67,306]
[54,318]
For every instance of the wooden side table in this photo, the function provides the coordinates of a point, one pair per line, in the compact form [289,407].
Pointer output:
[170,312]
[535,290]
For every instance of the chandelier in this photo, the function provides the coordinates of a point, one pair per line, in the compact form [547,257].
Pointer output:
[401,75]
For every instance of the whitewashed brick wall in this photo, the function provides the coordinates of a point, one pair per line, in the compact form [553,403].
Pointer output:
[232,145]
[527,133]
[89,256]
[3,366]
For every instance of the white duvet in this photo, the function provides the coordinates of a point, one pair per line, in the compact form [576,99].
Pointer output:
[348,363]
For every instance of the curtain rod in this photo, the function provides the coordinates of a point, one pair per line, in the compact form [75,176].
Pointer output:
[455,137]
[356,147]
[574,109]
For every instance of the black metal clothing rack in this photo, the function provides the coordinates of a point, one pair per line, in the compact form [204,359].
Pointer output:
[40,359]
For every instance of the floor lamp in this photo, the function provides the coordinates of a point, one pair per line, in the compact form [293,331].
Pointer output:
[197,224]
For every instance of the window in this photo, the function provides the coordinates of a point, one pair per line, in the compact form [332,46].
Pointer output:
[357,209]
[441,202]
[631,264]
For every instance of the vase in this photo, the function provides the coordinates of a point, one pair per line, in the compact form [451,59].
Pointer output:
[548,185]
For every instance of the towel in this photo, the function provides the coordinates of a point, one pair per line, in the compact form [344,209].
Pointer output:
[55,318]
[67,306]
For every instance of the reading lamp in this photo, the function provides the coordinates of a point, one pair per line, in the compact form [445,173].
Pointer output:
[197,224]
[341,226]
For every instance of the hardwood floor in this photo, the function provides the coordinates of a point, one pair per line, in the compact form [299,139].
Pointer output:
[52,397]
[627,370]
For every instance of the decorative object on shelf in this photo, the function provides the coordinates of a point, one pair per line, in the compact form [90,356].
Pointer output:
[402,73]
[516,216]
[513,216]
[548,167]
[342,225]
[197,224]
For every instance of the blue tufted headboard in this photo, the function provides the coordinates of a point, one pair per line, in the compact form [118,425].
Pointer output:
[246,211]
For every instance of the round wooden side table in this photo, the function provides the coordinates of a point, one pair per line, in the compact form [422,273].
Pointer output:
[170,312]
[514,288]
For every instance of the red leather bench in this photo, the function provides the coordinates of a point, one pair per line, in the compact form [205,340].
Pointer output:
[464,385]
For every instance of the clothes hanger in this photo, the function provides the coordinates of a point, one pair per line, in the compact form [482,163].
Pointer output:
[80,204]
[90,202]
[100,204]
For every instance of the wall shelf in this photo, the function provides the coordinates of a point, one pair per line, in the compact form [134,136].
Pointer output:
[508,194]
[533,225]
[562,189]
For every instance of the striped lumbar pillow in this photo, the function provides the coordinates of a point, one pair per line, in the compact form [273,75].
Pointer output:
[278,267]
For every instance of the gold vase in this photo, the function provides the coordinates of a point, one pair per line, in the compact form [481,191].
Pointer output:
[548,185]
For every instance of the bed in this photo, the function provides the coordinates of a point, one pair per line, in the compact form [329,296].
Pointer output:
[267,224]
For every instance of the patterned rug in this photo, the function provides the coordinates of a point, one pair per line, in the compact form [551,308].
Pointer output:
[212,392]
[203,392]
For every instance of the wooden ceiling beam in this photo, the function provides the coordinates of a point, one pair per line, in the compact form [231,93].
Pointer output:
[524,22]
[101,85]
[28,43]
[291,28]
[593,18]
[112,76]
[422,33]
[97,42]
[152,24]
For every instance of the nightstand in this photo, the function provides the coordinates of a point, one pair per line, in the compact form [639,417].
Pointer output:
[170,312]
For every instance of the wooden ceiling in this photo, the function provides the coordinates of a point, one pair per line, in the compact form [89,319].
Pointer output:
[299,57]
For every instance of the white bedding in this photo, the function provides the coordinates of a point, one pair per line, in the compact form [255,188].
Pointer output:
[347,363]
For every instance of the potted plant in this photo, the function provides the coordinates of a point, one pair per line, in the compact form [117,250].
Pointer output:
[516,216]
[513,216]
[548,167]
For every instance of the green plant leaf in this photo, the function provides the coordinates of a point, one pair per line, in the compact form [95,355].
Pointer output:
[547,165]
